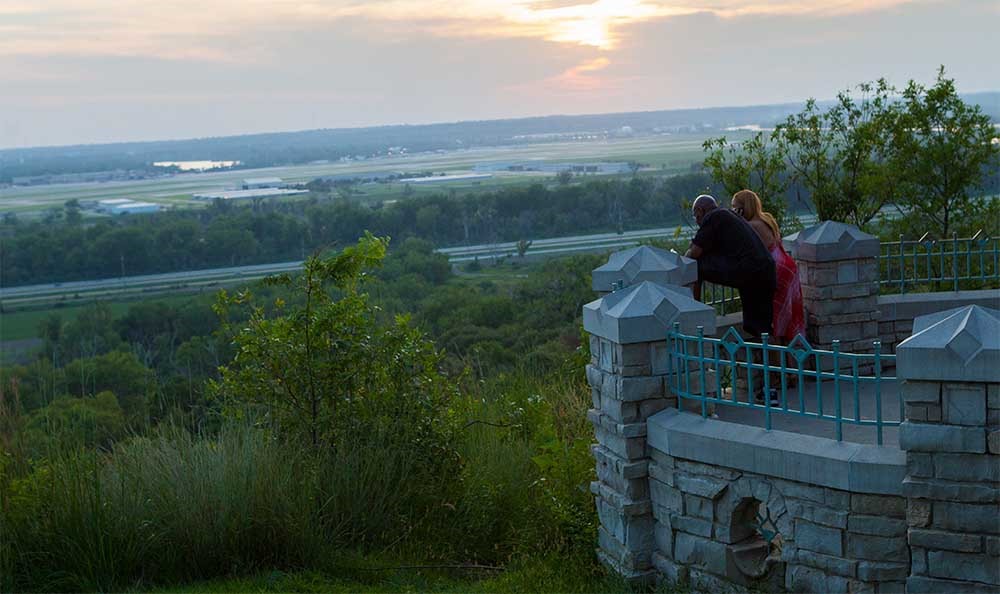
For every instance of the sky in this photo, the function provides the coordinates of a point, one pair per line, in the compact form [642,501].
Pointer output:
[86,71]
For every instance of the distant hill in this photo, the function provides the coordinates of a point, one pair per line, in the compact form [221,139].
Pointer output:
[283,148]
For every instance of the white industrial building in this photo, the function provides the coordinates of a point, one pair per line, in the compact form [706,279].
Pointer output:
[255,183]
[118,206]
[247,194]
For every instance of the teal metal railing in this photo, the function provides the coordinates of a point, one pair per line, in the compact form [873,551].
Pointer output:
[928,264]
[856,379]
[725,300]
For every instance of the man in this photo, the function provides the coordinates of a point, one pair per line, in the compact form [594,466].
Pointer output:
[730,253]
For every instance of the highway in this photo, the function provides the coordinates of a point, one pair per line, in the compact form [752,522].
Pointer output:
[134,286]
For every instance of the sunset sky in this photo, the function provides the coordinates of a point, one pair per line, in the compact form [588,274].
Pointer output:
[82,71]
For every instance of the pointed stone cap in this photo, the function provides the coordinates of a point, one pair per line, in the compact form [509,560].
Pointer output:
[644,263]
[644,313]
[830,241]
[961,344]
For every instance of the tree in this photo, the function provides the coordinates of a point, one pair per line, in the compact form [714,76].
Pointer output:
[842,157]
[757,164]
[522,247]
[330,374]
[944,148]
[564,177]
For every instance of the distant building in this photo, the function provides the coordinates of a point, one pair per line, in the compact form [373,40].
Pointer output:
[135,208]
[256,183]
[247,194]
[446,178]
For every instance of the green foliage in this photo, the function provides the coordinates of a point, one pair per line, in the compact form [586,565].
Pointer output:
[327,371]
[843,157]
[73,423]
[945,149]
[757,164]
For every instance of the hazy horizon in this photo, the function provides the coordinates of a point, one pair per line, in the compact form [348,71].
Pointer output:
[97,72]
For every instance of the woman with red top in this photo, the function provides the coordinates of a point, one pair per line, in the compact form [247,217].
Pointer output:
[788,313]
[789,317]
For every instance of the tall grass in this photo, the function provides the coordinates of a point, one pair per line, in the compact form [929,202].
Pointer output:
[176,507]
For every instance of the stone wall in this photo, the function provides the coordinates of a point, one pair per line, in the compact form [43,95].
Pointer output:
[839,275]
[897,312]
[951,435]
[844,530]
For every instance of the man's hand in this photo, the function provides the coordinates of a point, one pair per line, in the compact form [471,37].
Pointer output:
[694,251]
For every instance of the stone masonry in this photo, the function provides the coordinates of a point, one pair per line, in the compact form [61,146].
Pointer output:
[951,435]
[627,376]
[837,509]
[839,275]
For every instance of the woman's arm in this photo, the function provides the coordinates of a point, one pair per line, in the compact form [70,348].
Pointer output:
[763,231]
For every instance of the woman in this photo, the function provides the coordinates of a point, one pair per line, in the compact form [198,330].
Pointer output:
[789,317]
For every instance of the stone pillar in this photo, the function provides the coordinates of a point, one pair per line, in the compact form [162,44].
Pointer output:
[644,263]
[839,274]
[950,372]
[627,374]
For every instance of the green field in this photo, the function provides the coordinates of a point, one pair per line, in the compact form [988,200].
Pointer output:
[667,153]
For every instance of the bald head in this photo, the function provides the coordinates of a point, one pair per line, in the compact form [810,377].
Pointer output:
[703,205]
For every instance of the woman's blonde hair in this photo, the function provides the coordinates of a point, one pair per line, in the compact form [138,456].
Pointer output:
[753,208]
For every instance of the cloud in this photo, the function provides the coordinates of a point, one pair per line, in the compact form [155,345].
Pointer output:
[217,30]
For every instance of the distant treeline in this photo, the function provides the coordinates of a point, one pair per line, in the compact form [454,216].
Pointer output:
[284,148]
[67,247]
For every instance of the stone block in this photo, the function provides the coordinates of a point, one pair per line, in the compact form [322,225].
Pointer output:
[892,588]
[828,563]
[628,448]
[821,539]
[918,561]
[648,408]
[665,496]
[921,465]
[799,578]
[595,397]
[726,474]
[595,376]
[628,355]
[877,548]
[619,410]
[660,473]
[922,412]
[924,585]
[993,441]
[847,272]
[918,512]
[992,545]
[964,566]
[964,404]
[698,507]
[993,395]
[700,552]
[918,392]
[663,537]
[691,525]
[941,438]
[878,571]
[634,532]
[946,541]
[800,490]
[676,574]
[967,467]
[702,581]
[876,525]
[700,486]
[947,490]
[818,514]
[605,354]
[960,344]
[836,498]
[619,557]
[966,517]
[878,505]
[633,389]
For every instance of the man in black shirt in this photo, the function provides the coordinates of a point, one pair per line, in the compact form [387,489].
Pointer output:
[730,253]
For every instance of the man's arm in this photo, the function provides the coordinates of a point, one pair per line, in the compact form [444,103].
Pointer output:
[694,251]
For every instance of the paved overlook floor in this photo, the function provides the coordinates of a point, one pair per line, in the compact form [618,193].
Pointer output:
[794,423]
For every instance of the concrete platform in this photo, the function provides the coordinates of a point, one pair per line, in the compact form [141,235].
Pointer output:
[795,423]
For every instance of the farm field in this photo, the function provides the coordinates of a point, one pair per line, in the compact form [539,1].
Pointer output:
[669,153]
